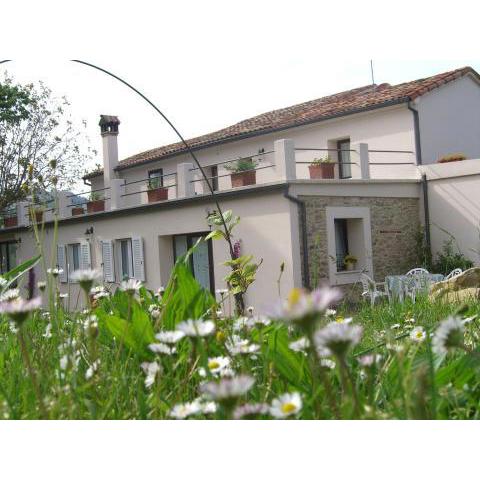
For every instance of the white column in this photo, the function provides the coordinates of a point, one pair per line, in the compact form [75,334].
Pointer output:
[361,157]
[285,159]
[185,187]
[23,218]
[117,189]
[64,204]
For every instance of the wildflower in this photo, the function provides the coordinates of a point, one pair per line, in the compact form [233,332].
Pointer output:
[217,366]
[327,363]
[222,292]
[396,326]
[184,410]
[344,320]
[86,278]
[330,312]
[418,335]
[369,360]
[170,336]
[303,308]
[131,286]
[150,369]
[3,282]
[64,362]
[162,348]
[237,345]
[63,295]
[228,388]
[410,320]
[299,345]
[337,338]
[196,328]
[448,335]
[160,292]
[48,331]
[468,320]
[251,410]
[154,311]
[286,405]
[92,369]
[42,286]
[55,272]
[19,309]
[9,295]
[91,323]
[250,311]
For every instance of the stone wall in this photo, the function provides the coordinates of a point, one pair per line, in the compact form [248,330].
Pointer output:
[395,226]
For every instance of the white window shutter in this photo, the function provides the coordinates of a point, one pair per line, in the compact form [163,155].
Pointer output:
[62,263]
[108,261]
[138,259]
[85,256]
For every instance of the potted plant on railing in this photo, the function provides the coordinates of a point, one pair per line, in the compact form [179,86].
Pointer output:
[243,172]
[350,262]
[96,203]
[454,157]
[10,220]
[322,168]
[77,210]
[156,191]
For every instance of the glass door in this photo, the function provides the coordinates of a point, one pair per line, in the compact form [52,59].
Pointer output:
[344,166]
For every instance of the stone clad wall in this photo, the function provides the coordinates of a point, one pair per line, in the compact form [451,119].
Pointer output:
[395,227]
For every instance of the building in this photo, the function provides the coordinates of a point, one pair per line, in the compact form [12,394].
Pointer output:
[383,144]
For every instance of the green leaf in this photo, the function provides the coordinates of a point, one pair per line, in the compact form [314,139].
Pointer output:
[215,235]
[14,274]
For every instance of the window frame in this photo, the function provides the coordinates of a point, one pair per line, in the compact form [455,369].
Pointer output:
[341,165]
[7,245]
[344,228]
[189,238]
[154,174]
[71,258]
[119,243]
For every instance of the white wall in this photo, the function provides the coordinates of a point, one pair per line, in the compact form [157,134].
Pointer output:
[450,120]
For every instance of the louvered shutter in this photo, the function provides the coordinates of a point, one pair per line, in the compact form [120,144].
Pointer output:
[138,260]
[62,263]
[107,261]
[85,256]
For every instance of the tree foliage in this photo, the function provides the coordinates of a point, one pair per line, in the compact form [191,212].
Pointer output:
[40,147]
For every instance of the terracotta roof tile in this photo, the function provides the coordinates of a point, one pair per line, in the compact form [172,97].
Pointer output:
[339,104]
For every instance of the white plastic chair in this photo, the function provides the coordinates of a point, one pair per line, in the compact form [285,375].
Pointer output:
[454,273]
[417,271]
[420,281]
[371,288]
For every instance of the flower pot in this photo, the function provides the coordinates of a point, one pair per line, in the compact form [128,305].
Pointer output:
[96,206]
[350,266]
[157,194]
[242,179]
[37,217]
[77,211]
[10,222]
[322,170]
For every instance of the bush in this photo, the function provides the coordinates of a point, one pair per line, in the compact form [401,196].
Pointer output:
[447,260]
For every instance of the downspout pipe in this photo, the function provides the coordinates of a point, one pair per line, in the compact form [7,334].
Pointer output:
[416,127]
[303,235]
[428,240]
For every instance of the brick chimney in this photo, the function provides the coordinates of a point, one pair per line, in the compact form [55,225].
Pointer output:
[109,131]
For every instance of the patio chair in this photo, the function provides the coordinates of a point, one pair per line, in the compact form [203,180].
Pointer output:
[417,271]
[373,289]
[454,273]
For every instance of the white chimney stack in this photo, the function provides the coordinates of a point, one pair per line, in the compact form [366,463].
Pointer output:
[109,130]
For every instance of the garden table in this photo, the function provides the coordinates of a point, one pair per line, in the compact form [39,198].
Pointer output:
[399,285]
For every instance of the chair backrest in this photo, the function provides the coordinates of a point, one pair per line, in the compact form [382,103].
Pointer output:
[367,283]
[417,271]
[454,273]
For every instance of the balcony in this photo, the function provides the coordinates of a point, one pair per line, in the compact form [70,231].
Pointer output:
[285,163]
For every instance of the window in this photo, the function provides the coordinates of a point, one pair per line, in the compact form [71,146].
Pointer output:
[73,252]
[126,258]
[344,166]
[201,261]
[341,242]
[158,173]
[7,256]
[214,177]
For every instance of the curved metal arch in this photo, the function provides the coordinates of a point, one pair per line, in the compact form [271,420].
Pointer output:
[180,136]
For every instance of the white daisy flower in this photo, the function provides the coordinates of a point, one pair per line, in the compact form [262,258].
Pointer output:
[41,286]
[250,310]
[410,320]
[330,312]
[286,405]
[227,388]
[449,334]
[395,326]
[222,291]
[19,309]
[86,278]
[131,286]
[337,339]
[55,272]
[299,345]
[217,366]
[468,320]
[64,362]
[369,360]
[48,331]
[9,295]
[162,348]
[418,335]
[170,336]
[327,363]
[196,328]
[154,311]
[250,410]
[236,345]
[92,369]
[151,369]
[63,295]
[160,291]
[184,410]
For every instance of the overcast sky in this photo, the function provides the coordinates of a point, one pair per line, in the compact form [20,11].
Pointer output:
[209,64]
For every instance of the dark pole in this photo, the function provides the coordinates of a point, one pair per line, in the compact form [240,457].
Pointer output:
[238,297]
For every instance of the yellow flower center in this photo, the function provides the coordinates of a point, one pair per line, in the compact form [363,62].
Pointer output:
[213,364]
[220,336]
[340,319]
[294,296]
[288,407]
[419,334]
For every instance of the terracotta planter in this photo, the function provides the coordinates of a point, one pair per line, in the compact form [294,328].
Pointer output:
[157,194]
[37,217]
[322,170]
[96,206]
[10,222]
[77,211]
[242,179]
